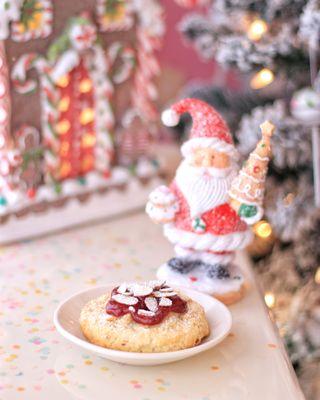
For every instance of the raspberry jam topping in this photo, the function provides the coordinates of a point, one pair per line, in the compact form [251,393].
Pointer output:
[148,303]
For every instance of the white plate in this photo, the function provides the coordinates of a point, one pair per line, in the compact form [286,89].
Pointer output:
[66,320]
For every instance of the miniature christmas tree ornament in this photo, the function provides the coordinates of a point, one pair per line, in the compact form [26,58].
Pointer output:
[207,209]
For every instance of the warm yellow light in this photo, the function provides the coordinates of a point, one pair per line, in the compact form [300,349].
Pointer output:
[269,299]
[263,229]
[85,86]
[64,104]
[88,140]
[317,276]
[257,29]
[288,199]
[87,163]
[86,116]
[64,149]
[63,126]
[63,81]
[65,169]
[262,78]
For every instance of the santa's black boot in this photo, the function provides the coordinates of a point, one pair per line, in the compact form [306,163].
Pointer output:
[183,265]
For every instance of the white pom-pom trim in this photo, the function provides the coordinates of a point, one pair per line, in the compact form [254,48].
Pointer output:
[170,118]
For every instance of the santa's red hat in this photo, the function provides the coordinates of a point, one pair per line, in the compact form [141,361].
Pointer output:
[208,127]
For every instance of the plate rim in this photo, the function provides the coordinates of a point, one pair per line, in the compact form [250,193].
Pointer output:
[103,351]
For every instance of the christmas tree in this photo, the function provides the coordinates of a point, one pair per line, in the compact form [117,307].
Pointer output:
[273,47]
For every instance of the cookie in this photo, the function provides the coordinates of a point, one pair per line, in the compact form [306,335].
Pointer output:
[182,324]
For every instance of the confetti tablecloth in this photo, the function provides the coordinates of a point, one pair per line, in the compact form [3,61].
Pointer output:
[36,363]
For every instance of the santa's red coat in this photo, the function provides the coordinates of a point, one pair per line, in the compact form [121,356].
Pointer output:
[221,220]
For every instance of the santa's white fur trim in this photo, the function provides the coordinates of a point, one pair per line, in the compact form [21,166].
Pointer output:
[205,256]
[204,142]
[170,118]
[208,241]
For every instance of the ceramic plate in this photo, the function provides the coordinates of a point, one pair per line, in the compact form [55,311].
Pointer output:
[66,320]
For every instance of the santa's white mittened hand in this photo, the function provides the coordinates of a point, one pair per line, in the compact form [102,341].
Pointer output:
[162,205]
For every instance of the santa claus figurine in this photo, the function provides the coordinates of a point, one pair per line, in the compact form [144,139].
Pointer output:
[207,209]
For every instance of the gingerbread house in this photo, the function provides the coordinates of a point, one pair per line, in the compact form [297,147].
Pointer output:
[77,109]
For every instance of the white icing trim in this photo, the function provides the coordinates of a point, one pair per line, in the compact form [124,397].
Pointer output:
[205,142]
[210,258]
[243,173]
[69,187]
[208,241]
[42,31]
[255,155]
[65,64]
[8,15]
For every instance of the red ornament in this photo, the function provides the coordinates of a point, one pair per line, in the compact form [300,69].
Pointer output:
[31,193]
[256,169]
[107,174]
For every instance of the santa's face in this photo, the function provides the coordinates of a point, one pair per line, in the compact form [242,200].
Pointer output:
[204,179]
[208,157]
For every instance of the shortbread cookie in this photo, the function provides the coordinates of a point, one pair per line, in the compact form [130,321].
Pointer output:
[146,318]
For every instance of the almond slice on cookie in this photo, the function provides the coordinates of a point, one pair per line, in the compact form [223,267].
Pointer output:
[122,299]
[165,302]
[151,303]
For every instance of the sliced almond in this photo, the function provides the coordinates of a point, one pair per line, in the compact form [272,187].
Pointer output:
[146,313]
[166,289]
[151,303]
[164,294]
[156,284]
[122,299]
[141,290]
[165,302]
[122,288]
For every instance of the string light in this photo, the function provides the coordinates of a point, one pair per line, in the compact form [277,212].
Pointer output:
[317,276]
[263,229]
[269,299]
[85,86]
[65,169]
[63,81]
[88,140]
[288,199]
[87,163]
[64,104]
[262,78]
[86,116]
[63,126]
[257,29]
[64,149]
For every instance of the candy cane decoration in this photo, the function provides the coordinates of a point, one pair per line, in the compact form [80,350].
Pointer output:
[100,66]
[149,33]
[5,101]
[9,157]
[48,100]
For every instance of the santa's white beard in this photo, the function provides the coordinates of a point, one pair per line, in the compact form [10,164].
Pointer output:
[204,188]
